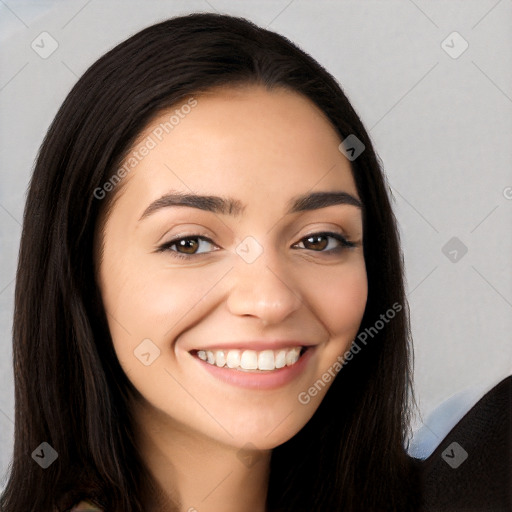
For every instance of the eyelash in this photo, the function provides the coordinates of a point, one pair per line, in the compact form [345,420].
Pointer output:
[345,244]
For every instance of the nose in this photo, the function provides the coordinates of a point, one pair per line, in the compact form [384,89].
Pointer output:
[263,291]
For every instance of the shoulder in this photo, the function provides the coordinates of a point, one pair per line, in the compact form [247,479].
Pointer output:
[85,506]
[471,466]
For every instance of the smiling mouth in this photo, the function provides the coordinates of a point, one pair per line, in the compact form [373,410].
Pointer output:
[251,360]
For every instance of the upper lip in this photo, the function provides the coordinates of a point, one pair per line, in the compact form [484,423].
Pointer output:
[257,345]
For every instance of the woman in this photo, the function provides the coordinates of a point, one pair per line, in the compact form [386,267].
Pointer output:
[210,310]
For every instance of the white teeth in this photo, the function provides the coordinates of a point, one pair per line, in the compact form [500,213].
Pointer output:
[292,356]
[251,359]
[281,359]
[266,360]
[233,359]
[220,359]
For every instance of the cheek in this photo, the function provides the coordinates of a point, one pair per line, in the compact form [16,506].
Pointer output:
[340,298]
[148,301]
[166,296]
[132,298]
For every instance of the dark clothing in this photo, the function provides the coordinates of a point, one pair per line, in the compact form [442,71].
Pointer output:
[471,469]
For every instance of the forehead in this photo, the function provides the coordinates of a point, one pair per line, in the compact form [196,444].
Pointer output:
[246,142]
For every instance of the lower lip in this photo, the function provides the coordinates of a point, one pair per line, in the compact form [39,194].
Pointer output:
[270,379]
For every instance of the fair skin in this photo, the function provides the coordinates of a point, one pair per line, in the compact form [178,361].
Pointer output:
[263,149]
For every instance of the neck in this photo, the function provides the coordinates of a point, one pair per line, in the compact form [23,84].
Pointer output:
[194,473]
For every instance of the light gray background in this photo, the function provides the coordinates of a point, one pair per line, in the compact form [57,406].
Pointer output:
[442,127]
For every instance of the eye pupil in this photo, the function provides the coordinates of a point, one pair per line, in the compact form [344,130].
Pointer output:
[313,240]
[189,244]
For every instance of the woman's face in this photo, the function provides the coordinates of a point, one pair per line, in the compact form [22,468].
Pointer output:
[246,286]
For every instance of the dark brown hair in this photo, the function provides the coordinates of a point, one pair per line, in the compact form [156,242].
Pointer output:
[70,390]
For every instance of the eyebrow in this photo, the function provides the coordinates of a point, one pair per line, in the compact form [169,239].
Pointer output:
[234,207]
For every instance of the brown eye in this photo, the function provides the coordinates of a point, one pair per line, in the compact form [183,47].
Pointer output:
[188,246]
[325,242]
[316,242]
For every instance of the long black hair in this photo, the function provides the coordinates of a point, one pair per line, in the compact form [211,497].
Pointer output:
[70,390]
